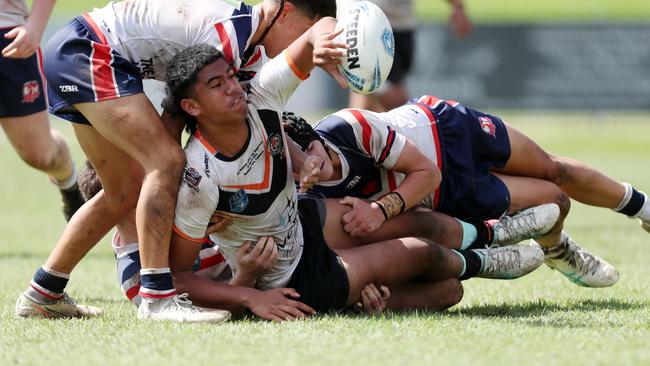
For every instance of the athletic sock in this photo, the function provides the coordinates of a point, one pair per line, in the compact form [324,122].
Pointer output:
[48,284]
[472,263]
[633,203]
[156,283]
[68,183]
[469,233]
[484,235]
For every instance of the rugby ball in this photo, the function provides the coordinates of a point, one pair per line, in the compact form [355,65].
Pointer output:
[368,33]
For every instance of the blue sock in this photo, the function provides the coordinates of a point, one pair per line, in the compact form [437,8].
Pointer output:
[49,283]
[156,283]
[469,234]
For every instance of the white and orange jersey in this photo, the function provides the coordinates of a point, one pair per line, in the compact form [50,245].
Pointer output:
[13,13]
[255,188]
[150,32]
[369,144]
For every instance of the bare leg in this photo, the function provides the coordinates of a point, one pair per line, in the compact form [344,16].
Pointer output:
[133,126]
[528,192]
[580,181]
[39,146]
[426,295]
[434,226]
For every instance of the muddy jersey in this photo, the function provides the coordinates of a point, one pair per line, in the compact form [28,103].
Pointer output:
[13,13]
[369,145]
[255,187]
[150,32]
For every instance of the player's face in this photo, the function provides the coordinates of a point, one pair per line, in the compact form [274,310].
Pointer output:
[217,92]
[327,169]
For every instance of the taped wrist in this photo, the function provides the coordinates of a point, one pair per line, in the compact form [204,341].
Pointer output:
[391,204]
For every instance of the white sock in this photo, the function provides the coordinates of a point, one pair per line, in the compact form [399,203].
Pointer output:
[68,183]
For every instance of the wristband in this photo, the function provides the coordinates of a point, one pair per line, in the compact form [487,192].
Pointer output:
[391,204]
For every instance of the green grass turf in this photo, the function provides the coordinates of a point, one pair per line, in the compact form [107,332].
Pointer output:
[488,10]
[541,319]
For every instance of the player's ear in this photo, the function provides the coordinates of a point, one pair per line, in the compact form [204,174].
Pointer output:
[190,107]
[289,9]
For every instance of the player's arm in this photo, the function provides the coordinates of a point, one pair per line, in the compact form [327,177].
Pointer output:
[422,177]
[271,305]
[27,37]
[459,20]
[306,168]
[317,47]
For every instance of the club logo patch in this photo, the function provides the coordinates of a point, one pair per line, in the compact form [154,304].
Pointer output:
[31,91]
[488,126]
[239,201]
[275,145]
[192,178]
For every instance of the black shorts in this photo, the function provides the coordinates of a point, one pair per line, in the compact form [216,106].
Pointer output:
[22,84]
[403,60]
[319,278]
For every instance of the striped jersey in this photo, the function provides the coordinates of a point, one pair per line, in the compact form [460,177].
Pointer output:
[13,13]
[150,32]
[369,144]
[255,187]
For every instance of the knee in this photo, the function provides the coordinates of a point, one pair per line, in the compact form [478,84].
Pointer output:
[172,163]
[564,202]
[38,159]
[453,293]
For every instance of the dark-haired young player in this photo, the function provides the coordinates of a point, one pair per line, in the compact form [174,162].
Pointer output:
[23,101]
[488,168]
[95,66]
[238,164]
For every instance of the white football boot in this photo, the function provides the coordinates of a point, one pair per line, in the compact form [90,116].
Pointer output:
[531,223]
[28,306]
[179,308]
[510,262]
[578,265]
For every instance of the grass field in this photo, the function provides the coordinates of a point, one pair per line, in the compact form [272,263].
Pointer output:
[541,319]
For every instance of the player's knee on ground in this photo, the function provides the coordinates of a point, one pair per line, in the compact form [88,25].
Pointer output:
[453,294]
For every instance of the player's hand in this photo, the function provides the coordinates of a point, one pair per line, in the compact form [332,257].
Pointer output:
[253,261]
[459,22]
[373,300]
[328,53]
[24,43]
[363,218]
[310,173]
[277,305]
[218,224]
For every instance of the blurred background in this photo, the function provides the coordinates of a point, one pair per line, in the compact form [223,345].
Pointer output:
[586,55]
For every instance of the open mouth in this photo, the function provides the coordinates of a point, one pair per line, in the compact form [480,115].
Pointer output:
[238,100]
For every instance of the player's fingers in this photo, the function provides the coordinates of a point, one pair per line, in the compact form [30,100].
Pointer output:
[369,306]
[333,34]
[12,33]
[290,292]
[244,248]
[293,312]
[303,307]
[385,292]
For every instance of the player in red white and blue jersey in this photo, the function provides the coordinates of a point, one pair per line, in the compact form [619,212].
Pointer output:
[488,168]
[95,66]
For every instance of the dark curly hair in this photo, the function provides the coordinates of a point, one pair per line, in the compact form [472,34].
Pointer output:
[180,75]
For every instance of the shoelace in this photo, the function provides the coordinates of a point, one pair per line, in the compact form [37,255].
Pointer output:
[583,261]
[514,227]
[502,260]
[182,301]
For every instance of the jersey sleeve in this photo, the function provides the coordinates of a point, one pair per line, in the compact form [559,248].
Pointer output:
[276,81]
[197,201]
[376,137]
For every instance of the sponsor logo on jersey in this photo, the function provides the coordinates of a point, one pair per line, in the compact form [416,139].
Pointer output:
[69,88]
[192,178]
[353,182]
[239,201]
[275,145]
[206,165]
[31,91]
[488,126]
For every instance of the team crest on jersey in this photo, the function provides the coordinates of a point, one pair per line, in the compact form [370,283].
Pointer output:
[488,126]
[31,91]
[192,178]
[275,145]
[239,201]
